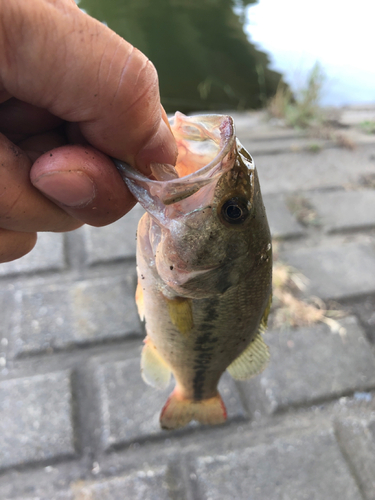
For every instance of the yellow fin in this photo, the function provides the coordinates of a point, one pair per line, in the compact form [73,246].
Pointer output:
[154,369]
[256,356]
[139,301]
[252,361]
[181,314]
[178,411]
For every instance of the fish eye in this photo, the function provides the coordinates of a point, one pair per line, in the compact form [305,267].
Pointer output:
[235,210]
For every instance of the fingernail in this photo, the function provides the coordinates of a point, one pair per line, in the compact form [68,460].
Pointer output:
[73,188]
[161,148]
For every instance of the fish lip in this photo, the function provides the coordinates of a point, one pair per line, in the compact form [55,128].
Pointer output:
[155,195]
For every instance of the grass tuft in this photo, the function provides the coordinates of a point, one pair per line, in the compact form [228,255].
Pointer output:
[302,110]
[368,126]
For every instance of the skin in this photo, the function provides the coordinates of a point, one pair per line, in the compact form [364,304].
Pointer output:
[72,95]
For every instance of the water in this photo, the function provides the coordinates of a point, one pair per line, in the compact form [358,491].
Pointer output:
[338,34]
[203,56]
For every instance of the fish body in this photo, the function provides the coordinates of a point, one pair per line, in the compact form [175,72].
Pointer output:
[204,263]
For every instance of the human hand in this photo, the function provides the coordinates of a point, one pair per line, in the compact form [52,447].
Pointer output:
[72,93]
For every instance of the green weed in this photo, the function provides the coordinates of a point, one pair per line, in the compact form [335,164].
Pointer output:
[368,126]
[301,110]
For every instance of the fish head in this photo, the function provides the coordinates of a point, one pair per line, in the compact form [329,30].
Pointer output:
[208,219]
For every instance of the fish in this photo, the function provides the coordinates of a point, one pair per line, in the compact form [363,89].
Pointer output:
[204,265]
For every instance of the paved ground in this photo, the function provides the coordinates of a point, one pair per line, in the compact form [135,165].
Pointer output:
[78,423]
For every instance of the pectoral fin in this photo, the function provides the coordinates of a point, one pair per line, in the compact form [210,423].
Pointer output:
[181,314]
[154,370]
[252,361]
[256,356]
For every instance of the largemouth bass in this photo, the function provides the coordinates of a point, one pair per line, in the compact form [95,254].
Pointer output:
[204,263]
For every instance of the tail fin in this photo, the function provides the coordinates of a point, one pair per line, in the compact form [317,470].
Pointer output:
[178,411]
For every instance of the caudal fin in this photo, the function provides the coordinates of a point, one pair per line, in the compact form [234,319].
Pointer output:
[178,411]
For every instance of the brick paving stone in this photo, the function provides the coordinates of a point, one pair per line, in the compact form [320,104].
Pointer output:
[365,309]
[36,419]
[274,145]
[113,242]
[130,409]
[345,210]
[149,484]
[312,364]
[68,495]
[57,316]
[310,466]
[282,223]
[354,436]
[333,167]
[336,271]
[355,115]
[7,303]
[308,366]
[48,254]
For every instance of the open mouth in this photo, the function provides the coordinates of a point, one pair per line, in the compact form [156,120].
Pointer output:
[205,144]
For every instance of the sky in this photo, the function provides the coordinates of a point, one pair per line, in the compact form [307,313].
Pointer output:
[337,33]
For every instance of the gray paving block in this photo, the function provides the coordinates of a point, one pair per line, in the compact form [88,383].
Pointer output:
[113,242]
[274,145]
[306,467]
[312,364]
[148,484]
[354,436]
[345,210]
[36,419]
[84,312]
[336,271]
[66,495]
[282,223]
[130,409]
[333,167]
[48,254]
[7,303]
[355,115]
[365,309]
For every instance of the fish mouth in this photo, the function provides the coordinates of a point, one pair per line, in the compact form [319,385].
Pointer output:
[206,146]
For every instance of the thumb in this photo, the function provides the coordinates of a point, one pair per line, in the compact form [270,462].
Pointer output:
[78,69]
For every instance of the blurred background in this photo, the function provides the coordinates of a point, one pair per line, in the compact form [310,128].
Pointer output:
[230,54]
[200,49]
